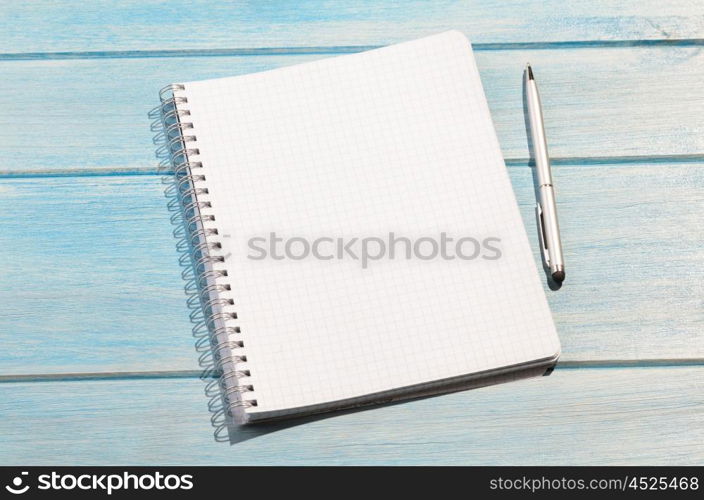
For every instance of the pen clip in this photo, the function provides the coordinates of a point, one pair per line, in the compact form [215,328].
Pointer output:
[541,235]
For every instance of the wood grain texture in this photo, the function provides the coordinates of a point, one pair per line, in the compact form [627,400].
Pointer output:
[616,102]
[48,26]
[571,417]
[633,249]
[95,284]
[90,277]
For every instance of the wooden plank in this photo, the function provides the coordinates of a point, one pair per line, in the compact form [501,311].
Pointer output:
[91,281]
[633,243]
[90,277]
[48,26]
[537,421]
[63,115]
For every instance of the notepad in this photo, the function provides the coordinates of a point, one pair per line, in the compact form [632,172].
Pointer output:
[391,145]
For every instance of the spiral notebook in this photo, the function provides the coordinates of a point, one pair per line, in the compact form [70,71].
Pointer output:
[395,146]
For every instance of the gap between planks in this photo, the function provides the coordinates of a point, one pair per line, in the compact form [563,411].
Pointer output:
[510,162]
[341,49]
[208,374]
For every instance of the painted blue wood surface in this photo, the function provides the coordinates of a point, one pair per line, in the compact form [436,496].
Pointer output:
[577,416]
[71,25]
[91,280]
[599,102]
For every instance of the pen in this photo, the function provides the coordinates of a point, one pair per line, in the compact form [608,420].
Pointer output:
[546,209]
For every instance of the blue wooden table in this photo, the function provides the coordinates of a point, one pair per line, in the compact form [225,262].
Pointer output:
[98,364]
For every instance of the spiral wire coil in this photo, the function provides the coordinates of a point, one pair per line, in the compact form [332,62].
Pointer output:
[179,146]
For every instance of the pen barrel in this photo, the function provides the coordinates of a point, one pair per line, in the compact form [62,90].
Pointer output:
[537,134]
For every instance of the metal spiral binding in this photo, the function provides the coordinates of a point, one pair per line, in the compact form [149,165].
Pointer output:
[179,139]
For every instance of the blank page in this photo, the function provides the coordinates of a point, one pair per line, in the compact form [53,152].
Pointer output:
[397,139]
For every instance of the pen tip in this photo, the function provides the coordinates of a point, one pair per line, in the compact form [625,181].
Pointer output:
[529,71]
[558,276]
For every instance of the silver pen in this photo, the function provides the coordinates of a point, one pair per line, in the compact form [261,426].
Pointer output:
[546,209]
